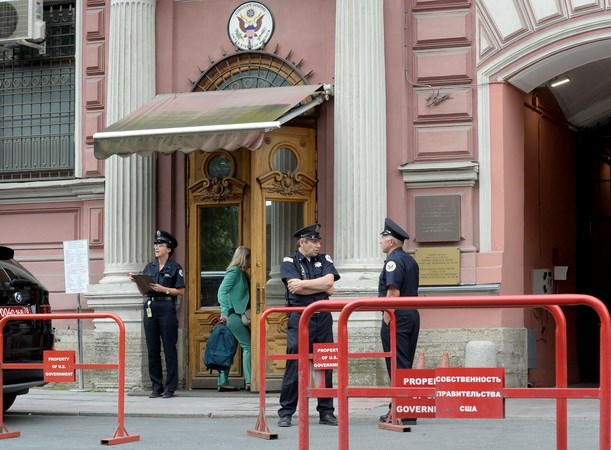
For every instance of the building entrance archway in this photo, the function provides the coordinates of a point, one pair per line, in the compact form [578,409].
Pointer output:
[252,198]
[564,189]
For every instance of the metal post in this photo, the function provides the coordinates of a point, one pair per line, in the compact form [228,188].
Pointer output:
[79,349]
[561,377]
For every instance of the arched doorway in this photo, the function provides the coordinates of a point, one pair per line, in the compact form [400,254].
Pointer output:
[564,207]
[253,198]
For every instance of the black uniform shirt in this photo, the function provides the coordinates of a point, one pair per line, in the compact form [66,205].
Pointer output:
[400,270]
[170,276]
[300,267]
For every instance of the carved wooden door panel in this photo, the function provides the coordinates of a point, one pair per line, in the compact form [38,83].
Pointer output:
[252,198]
[284,200]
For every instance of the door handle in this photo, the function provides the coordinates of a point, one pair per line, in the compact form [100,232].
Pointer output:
[260,290]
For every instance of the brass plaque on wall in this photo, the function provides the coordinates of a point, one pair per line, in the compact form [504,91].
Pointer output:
[438,265]
[437,218]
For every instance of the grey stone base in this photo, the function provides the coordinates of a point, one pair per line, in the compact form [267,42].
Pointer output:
[510,344]
[364,336]
[68,340]
[101,347]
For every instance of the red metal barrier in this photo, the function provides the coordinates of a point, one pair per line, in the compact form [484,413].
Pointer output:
[261,429]
[121,435]
[304,391]
[561,392]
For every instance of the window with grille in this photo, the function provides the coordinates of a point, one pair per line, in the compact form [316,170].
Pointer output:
[37,102]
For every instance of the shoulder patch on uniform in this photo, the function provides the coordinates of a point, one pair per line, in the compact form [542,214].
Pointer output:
[390,266]
[328,258]
[287,259]
[180,273]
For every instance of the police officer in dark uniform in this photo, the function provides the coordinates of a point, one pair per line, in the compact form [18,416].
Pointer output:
[308,276]
[399,278]
[160,322]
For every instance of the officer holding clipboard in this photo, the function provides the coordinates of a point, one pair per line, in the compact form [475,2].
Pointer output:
[166,283]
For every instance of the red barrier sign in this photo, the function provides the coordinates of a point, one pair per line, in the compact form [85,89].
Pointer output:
[466,393]
[470,393]
[325,356]
[414,407]
[58,366]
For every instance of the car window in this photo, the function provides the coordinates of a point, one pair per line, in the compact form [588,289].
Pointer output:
[12,271]
[4,278]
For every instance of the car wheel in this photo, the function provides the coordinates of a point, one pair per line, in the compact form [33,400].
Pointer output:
[7,401]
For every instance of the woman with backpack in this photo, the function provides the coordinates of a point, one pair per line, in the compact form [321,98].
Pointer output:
[234,299]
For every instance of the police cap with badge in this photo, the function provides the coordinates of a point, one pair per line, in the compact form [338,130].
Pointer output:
[309,232]
[394,230]
[163,237]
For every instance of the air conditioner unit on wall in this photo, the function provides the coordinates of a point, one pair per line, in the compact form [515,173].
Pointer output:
[21,20]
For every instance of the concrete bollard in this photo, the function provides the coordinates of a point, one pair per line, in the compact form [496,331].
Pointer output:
[480,354]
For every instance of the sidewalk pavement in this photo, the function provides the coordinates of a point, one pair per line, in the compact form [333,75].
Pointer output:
[213,420]
[529,423]
[241,404]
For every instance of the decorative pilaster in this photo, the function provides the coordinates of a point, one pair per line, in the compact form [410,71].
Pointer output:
[285,219]
[360,145]
[130,187]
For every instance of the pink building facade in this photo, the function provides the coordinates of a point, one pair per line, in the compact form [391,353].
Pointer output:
[439,114]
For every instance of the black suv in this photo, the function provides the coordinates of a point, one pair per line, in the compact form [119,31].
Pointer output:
[25,340]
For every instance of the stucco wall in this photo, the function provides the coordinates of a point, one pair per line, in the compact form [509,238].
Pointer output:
[190,34]
[37,231]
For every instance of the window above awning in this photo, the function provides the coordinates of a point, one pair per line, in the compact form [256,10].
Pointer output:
[207,121]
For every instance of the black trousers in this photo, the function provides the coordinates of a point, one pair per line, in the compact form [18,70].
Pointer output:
[162,328]
[408,327]
[321,331]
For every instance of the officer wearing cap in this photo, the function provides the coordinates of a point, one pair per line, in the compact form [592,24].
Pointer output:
[308,276]
[399,278]
[160,322]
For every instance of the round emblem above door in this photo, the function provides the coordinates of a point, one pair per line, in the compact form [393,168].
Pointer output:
[251,26]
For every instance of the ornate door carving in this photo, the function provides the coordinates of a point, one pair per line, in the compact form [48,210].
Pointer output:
[253,198]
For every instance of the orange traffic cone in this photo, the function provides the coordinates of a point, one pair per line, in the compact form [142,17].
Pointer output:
[420,362]
[445,360]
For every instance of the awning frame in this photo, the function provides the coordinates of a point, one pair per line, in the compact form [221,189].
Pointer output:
[189,130]
[318,98]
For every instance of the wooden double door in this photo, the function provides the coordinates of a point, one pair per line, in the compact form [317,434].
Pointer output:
[252,198]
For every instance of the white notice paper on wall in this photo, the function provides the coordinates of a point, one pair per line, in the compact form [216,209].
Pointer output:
[76,266]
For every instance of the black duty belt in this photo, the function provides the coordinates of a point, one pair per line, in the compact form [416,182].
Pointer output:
[161,299]
[315,313]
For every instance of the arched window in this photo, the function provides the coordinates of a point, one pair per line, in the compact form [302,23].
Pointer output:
[249,70]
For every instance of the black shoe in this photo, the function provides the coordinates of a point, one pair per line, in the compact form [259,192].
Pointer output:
[247,387]
[168,394]
[154,395]
[328,419]
[384,418]
[226,388]
[285,421]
